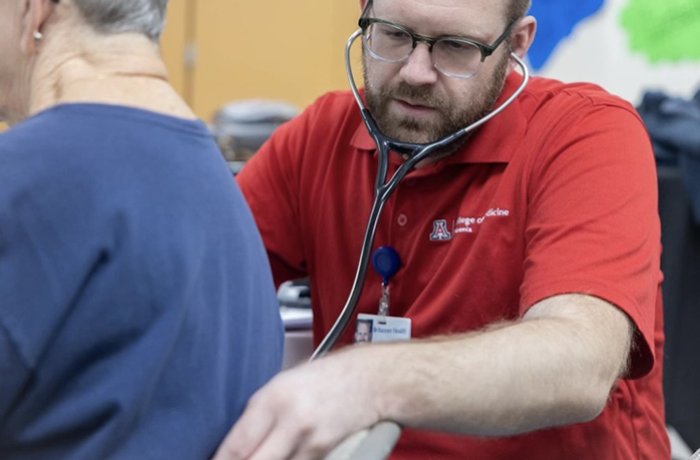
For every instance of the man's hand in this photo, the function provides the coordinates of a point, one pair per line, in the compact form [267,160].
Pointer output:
[297,415]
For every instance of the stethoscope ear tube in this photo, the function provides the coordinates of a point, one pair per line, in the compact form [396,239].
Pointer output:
[384,189]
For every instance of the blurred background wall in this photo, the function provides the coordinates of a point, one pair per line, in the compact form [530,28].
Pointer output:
[223,50]
[219,51]
[627,46]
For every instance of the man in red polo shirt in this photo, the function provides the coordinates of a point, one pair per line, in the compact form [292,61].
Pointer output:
[530,275]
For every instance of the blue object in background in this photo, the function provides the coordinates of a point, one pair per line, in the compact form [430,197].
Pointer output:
[556,20]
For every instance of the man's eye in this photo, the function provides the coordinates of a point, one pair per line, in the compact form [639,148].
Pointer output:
[394,34]
[454,45]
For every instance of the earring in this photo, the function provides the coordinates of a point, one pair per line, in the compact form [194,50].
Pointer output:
[38,36]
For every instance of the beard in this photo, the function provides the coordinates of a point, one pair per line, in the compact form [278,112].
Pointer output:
[452,114]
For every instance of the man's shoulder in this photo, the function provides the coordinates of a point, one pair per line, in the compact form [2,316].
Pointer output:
[547,90]
[332,107]
[553,102]
[333,115]
[339,99]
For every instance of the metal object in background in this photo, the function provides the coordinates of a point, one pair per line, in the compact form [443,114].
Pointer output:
[241,127]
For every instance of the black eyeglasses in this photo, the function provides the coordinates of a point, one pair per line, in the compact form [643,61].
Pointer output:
[458,57]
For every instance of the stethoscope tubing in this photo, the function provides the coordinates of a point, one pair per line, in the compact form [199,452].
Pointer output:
[384,188]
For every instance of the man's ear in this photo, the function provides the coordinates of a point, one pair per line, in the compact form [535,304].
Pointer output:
[363,5]
[35,13]
[522,36]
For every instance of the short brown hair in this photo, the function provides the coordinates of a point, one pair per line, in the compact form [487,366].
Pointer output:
[517,9]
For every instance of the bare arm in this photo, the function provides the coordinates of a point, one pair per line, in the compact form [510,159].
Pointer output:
[555,366]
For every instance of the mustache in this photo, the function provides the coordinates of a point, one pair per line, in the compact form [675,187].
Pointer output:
[417,95]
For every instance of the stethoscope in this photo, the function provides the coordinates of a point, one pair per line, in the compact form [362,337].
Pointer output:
[383,188]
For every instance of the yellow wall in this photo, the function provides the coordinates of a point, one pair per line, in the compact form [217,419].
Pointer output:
[273,49]
[174,41]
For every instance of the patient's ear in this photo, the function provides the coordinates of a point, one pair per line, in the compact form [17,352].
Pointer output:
[34,16]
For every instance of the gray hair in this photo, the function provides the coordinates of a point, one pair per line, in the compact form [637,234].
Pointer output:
[119,16]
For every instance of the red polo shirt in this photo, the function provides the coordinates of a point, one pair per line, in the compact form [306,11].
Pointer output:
[555,195]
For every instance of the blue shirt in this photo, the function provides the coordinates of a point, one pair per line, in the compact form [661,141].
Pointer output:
[137,310]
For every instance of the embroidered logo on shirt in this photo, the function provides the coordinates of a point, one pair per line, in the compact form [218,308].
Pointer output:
[440,231]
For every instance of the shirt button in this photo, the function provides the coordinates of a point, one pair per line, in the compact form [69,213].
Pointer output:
[402,220]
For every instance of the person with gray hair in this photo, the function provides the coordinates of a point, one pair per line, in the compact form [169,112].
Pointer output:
[137,309]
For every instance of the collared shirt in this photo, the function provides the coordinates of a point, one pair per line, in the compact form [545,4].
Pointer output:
[555,195]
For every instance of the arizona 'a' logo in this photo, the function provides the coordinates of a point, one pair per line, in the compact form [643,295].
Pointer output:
[440,232]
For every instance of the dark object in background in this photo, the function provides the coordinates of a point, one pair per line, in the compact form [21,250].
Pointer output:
[295,294]
[680,262]
[241,127]
[674,126]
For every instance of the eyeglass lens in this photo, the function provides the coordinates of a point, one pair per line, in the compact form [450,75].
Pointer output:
[452,57]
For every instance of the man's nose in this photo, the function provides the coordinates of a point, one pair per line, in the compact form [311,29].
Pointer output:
[419,68]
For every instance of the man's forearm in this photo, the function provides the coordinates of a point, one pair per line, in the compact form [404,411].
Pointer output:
[554,367]
[546,370]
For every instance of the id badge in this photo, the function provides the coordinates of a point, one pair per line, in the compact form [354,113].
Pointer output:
[376,328]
